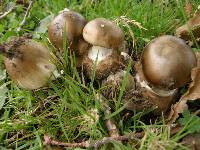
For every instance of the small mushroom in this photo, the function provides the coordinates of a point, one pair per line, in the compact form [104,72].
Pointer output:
[107,38]
[74,23]
[28,63]
[166,66]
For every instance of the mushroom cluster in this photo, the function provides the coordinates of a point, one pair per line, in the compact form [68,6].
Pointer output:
[96,44]
[165,64]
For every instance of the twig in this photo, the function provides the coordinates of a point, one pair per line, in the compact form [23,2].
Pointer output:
[49,141]
[7,12]
[106,140]
[112,128]
[97,144]
[25,16]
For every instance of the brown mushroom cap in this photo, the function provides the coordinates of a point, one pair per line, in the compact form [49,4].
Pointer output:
[104,33]
[167,62]
[30,65]
[74,23]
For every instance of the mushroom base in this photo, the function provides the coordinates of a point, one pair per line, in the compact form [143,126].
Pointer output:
[112,85]
[104,68]
[160,101]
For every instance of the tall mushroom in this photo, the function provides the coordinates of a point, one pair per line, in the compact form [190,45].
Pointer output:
[28,63]
[74,23]
[166,66]
[104,56]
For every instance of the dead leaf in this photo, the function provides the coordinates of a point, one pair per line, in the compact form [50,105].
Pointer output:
[193,93]
[198,58]
[176,109]
[192,25]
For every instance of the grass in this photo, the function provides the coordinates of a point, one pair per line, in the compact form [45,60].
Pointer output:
[62,110]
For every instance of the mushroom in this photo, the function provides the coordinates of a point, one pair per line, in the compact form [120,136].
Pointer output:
[74,23]
[166,66]
[104,56]
[28,63]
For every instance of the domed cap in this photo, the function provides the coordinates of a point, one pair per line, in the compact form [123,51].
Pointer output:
[104,33]
[30,64]
[167,62]
[74,23]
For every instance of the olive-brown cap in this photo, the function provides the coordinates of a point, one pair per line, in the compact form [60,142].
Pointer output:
[104,33]
[30,65]
[74,23]
[167,62]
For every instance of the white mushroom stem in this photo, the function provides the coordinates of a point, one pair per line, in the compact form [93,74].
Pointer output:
[159,92]
[98,53]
